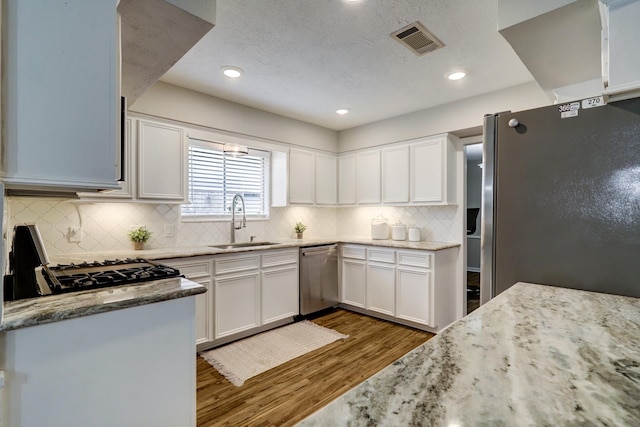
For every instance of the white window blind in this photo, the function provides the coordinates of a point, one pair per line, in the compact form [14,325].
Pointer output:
[215,178]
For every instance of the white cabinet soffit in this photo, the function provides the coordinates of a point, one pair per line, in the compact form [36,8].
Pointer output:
[155,34]
[561,47]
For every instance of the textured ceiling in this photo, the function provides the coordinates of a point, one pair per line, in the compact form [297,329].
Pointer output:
[305,58]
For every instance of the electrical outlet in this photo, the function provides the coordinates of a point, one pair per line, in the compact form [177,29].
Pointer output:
[75,234]
[169,231]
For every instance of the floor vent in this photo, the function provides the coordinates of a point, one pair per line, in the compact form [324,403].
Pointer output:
[417,38]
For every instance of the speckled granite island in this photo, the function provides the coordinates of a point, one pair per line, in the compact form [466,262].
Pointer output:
[533,356]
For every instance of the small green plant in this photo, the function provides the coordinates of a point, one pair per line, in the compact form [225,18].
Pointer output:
[300,227]
[140,234]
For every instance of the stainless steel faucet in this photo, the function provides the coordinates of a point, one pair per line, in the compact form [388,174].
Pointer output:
[243,223]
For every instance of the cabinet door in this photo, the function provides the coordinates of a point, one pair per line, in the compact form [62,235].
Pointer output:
[353,282]
[199,271]
[381,285]
[204,317]
[368,177]
[427,171]
[415,296]
[60,94]
[395,175]
[326,179]
[161,162]
[302,175]
[126,186]
[237,303]
[347,180]
[279,293]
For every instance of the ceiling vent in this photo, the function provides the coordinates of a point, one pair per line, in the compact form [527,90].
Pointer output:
[417,38]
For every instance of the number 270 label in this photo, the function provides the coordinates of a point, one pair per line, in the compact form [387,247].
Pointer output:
[597,101]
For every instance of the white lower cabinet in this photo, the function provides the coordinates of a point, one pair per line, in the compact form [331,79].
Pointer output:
[414,295]
[415,287]
[381,288]
[237,303]
[247,292]
[279,283]
[353,277]
[198,270]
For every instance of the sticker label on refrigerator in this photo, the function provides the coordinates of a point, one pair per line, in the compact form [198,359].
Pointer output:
[597,101]
[569,110]
[567,114]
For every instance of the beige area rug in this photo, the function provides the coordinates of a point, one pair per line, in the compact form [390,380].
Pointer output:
[251,356]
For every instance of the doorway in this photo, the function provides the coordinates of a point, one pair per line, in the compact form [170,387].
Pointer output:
[473,159]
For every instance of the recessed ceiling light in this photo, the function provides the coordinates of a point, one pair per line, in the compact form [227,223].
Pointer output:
[342,111]
[456,76]
[232,72]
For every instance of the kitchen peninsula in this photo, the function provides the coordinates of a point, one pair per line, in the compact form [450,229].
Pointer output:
[534,355]
[115,356]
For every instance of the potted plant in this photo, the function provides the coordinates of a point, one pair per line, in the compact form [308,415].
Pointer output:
[139,237]
[299,229]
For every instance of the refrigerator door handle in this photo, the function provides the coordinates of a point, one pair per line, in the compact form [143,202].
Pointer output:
[487,259]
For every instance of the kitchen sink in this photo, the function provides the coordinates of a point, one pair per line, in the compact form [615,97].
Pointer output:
[243,245]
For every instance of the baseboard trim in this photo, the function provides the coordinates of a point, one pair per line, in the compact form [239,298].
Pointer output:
[473,269]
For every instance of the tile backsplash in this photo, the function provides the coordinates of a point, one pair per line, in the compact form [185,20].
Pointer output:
[105,225]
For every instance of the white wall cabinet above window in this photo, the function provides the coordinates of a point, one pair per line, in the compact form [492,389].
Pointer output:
[162,162]
[61,96]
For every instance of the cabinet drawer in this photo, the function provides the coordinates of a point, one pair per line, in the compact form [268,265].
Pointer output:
[194,270]
[356,252]
[191,269]
[274,258]
[382,255]
[415,258]
[235,263]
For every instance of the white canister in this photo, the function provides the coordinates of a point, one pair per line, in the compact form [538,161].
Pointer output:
[379,228]
[414,234]
[398,232]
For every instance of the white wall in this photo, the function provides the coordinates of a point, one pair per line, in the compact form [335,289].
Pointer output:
[451,117]
[176,103]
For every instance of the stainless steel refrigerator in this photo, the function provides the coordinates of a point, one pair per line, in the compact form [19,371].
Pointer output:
[561,198]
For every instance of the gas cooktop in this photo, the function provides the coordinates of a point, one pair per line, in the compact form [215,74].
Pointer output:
[84,276]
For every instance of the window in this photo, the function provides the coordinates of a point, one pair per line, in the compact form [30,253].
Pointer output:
[215,178]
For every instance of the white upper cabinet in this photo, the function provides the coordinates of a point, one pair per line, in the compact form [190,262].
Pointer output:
[312,178]
[326,179]
[395,175]
[61,109]
[621,55]
[162,162]
[368,177]
[347,180]
[433,171]
[302,175]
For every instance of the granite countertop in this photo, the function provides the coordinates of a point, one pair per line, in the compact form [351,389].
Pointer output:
[191,251]
[533,356]
[53,308]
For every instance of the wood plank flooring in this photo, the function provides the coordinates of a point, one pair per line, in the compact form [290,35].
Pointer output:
[473,298]
[292,391]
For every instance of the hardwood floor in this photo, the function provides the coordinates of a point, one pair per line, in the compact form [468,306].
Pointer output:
[292,391]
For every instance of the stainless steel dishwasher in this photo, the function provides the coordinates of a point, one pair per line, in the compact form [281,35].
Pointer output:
[318,278]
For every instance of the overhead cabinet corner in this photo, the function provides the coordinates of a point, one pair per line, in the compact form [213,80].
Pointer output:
[312,178]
